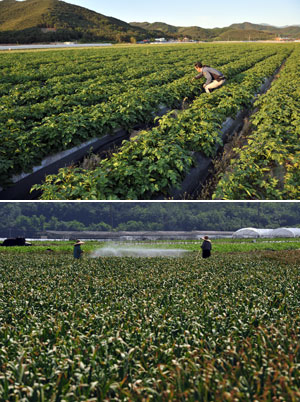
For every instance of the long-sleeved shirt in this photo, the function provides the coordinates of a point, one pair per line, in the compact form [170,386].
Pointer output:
[206,245]
[77,251]
[210,74]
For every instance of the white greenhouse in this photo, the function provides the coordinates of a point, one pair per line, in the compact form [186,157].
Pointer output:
[253,232]
[286,232]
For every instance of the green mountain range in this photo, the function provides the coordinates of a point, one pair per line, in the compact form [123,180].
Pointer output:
[33,21]
[244,31]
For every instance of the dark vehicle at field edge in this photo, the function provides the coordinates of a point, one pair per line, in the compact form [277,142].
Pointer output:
[15,241]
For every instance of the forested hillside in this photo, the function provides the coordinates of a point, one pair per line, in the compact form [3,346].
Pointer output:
[51,20]
[245,31]
[28,217]
[202,34]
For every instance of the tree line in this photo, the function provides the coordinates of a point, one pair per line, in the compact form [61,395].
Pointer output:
[21,219]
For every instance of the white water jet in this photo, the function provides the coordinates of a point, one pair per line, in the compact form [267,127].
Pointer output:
[137,252]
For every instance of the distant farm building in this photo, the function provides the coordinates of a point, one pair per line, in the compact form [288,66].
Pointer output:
[46,30]
[132,236]
[279,39]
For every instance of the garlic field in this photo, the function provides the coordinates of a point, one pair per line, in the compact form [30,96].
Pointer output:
[222,329]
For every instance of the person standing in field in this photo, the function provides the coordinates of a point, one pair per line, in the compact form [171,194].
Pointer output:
[206,247]
[77,252]
[214,78]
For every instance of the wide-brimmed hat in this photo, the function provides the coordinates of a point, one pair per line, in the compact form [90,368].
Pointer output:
[204,238]
[78,242]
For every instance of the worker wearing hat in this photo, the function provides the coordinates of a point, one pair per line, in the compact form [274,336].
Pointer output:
[77,250]
[206,247]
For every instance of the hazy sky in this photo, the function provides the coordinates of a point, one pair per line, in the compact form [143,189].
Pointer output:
[206,14]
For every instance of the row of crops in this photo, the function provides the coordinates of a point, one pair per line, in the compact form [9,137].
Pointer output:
[150,328]
[52,101]
[269,165]
[160,158]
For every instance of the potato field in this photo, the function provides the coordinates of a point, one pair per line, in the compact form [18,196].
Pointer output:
[54,100]
[142,329]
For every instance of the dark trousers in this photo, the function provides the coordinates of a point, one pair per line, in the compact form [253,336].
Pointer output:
[205,253]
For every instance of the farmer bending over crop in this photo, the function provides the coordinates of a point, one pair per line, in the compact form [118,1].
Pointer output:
[214,78]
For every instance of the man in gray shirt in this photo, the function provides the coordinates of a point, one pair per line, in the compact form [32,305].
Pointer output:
[214,78]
